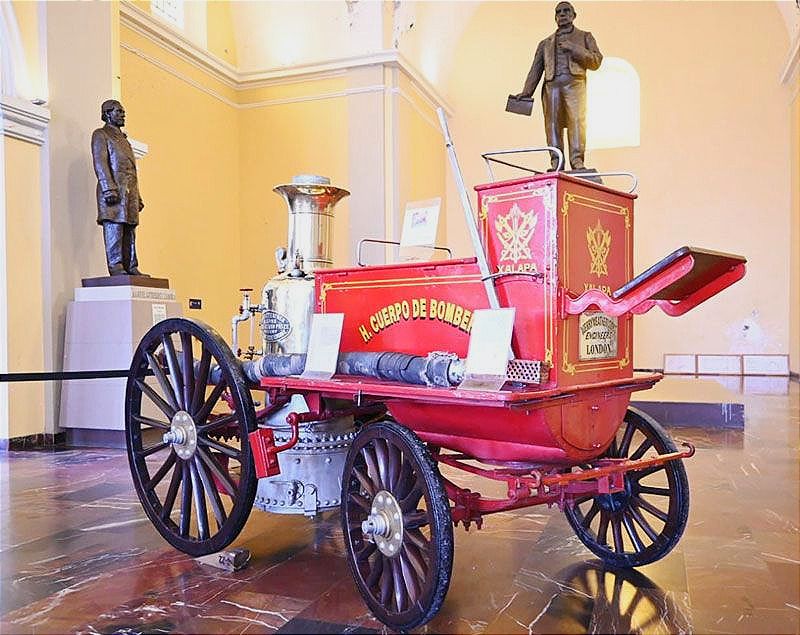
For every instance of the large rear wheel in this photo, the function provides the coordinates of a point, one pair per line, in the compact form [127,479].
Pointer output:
[187,440]
[645,521]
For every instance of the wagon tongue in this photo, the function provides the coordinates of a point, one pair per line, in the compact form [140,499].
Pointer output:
[676,284]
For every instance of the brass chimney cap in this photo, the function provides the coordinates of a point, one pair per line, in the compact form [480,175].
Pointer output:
[311,184]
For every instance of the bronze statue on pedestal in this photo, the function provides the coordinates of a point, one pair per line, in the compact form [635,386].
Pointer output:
[563,59]
[118,200]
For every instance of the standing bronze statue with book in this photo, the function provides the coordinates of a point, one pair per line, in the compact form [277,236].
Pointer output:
[563,59]
[118,200]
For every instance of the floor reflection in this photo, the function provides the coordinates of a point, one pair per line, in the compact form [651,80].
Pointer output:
[623,601]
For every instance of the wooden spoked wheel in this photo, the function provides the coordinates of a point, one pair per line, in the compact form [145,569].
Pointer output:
[187,440]
[645,521]
[396,523]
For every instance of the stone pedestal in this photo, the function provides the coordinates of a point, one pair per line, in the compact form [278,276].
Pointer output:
[104,327]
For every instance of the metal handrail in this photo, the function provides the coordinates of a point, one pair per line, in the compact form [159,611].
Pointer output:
[631,175]
[487,156]
[395,243]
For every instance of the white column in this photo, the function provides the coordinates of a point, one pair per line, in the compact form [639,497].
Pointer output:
[83,71]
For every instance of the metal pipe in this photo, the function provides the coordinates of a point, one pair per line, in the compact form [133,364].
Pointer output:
[477,248]
[472,225]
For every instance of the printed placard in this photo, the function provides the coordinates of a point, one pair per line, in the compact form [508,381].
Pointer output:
[489,346]
[323,345]
[420,223]
[597,336]
[159,312]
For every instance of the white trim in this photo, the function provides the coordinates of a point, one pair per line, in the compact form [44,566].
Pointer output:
[311,70]
[140,149]
[336,73]
[429,120]
[336,67]
[24,120]
[376,88]
[159,33]
[258,104]
[4,412]
[792,62]
[176,73]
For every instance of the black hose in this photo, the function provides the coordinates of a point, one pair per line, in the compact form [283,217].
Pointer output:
[437,369]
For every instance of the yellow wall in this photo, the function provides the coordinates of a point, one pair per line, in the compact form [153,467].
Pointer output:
[24,275]
[221,37]
[712,163]
[794,260]
[277,141]
[27,15]
[189,180]
[421,167]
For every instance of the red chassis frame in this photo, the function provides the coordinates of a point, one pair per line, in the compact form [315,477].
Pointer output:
[559,483]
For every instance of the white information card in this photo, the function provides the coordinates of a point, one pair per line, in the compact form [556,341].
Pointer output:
[420,224]
[489,346]
[323,345]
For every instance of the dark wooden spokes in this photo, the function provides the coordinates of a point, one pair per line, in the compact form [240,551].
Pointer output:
[642,523]
[198,486]
[200,491]
[193,494]
[395,581]
[183,384]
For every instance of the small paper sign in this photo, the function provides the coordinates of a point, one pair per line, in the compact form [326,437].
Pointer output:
[420,223]
[489,344]
[323,345]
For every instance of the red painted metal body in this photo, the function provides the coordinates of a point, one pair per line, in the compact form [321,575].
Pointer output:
[560,250]
[534,232]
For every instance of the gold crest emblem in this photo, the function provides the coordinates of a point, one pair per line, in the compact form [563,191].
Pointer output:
[515,231]
[599,242]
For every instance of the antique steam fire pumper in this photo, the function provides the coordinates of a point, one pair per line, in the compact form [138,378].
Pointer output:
[370,440]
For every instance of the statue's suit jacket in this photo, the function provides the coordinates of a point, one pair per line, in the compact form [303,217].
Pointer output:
[586,55]
[115,167]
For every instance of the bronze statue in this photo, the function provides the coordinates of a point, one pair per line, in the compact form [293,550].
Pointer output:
[563,59]
[118,200]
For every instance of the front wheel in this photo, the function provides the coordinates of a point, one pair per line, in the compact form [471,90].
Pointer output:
[396,524]
[191,465]
[645,521]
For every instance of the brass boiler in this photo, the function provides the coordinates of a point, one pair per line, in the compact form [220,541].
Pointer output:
[311,471]
[287,300]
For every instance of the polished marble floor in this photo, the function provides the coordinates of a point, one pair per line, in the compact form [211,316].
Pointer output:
[78,555]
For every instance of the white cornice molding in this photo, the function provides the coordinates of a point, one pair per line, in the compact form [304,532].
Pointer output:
[161,34]
[23,120]
[140,149]
[177,74]
[337,68]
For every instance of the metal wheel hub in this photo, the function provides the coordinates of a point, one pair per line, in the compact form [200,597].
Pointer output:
[616,501]
[384,525]
[182,435]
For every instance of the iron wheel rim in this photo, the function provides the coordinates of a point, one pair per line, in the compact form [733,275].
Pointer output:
[199,503]
[645,522]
